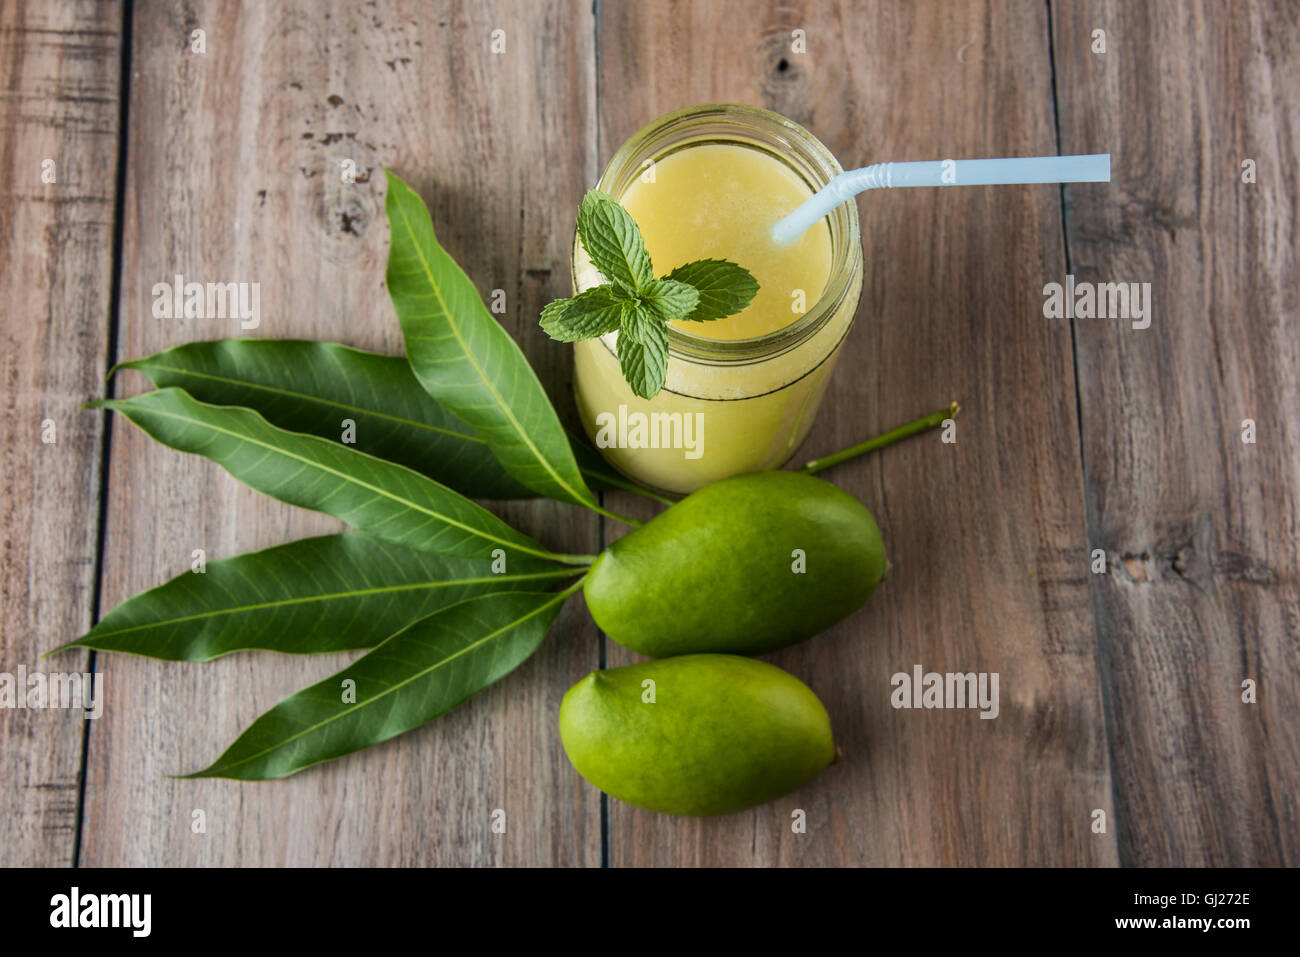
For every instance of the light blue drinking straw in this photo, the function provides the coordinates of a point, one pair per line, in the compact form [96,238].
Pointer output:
[1092,168]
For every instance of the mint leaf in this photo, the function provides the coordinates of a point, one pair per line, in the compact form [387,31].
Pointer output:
[641,324]
[612,240]
[724,287]
[643,352]
[587,315]
[669,299]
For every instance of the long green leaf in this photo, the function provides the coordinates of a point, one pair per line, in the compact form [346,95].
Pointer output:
[467,361]
[313,596]
[390,501]
[308,386]
[311,387]
[416,675]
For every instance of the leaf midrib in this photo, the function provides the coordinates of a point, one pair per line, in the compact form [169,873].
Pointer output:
[478,439]
[331,596]
[313,398]
[501,403]
[561,596]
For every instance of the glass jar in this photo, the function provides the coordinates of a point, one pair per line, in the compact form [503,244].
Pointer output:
[729,405]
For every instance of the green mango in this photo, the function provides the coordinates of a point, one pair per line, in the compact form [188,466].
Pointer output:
[712,734]
[719,571]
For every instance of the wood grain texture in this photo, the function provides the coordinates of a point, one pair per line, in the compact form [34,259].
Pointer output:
[1119,692]
[61,67]
[234,175]
[987,537]
[1203,590]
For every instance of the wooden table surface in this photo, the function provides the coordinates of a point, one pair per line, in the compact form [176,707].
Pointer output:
[1121,691]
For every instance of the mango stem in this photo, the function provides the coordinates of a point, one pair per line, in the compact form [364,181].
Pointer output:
[923,424]
[564,595]
[569,559]
[635,489]
[615,516]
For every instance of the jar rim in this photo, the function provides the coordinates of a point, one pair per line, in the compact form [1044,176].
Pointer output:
[801,152]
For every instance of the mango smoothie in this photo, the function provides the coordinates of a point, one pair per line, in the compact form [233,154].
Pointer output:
[742,391]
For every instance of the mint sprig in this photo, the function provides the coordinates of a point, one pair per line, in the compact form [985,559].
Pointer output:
[633,302]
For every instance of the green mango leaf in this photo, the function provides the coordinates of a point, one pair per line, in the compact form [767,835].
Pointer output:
[312,387]
[307,386]
[313,596]
[467,361]
[419,673]
[390,501]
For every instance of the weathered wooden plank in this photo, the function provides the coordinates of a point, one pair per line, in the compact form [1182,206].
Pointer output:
[234,175]
[987,536]
[1200,528]
[59,119]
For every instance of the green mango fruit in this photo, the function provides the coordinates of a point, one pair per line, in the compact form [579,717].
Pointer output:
[719,571]
[696,735]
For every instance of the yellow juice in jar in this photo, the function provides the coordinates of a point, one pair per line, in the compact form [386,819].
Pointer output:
[742,391]
[720,201]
